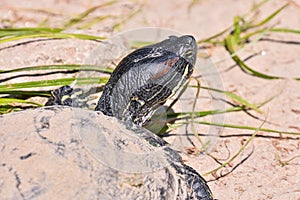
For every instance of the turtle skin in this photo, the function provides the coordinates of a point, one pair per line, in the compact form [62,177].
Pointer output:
[141,82]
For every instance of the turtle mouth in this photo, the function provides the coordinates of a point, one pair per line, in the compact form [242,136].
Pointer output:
[188,48]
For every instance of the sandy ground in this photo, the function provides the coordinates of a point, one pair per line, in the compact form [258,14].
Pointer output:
[256,173]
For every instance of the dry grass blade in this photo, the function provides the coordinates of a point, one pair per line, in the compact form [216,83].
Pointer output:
[237,154]
[193,129]
[284,163]
[118,25]
[83,15]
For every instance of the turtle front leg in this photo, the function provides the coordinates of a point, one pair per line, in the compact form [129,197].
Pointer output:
[68,96]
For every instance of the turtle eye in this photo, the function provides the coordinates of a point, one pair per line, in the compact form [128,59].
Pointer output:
[156,54]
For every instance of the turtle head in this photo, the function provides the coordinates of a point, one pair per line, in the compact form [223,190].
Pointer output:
[184,47]
[147,77]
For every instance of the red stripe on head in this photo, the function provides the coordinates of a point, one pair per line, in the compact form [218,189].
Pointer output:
[167,66]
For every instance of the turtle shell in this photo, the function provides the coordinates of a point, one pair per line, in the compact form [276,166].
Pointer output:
[70,153]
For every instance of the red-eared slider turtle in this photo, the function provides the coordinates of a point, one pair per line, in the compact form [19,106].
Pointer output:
[60,152]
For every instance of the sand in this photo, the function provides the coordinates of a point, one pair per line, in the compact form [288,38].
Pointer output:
[257,172]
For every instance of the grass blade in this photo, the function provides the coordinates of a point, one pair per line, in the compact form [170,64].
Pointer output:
[284,163]
[60,67]
[238,99]
[5,109]
[84,14]
[53,35]
[94,21]
[234,126]
[238,153]
[5,101]
[285,30]
[21,94]
[184,115]
[6,32]
[269,18]
[54,82]
[118,25]
[229,44]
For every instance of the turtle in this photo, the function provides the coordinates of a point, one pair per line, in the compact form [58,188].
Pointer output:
[67,152]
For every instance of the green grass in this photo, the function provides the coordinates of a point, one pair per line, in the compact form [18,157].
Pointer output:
[14,34]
